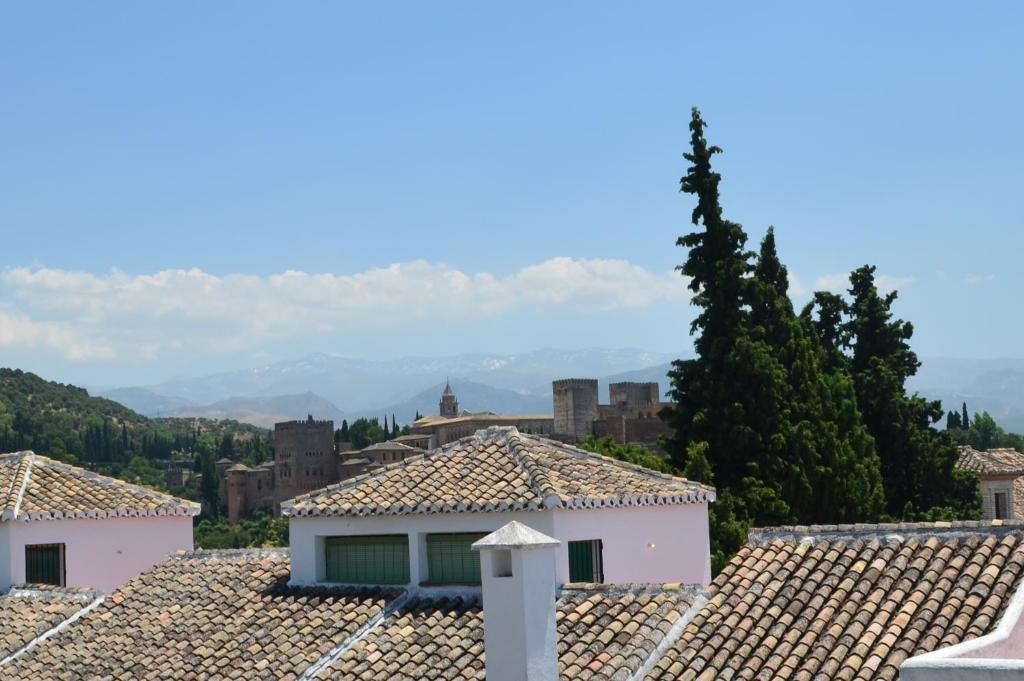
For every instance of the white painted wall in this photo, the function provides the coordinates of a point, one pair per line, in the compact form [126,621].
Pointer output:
[6,564]
[520,631]
[655,544]
[306,536]
[98,553]
[642,544]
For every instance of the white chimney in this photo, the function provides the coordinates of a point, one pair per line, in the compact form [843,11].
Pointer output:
[517,568]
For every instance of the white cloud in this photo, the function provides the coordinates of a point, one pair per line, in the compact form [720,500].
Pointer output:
[118,315]
[972,279]
[840,283]
[18,331]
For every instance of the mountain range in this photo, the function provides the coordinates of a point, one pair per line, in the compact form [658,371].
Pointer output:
[331,386]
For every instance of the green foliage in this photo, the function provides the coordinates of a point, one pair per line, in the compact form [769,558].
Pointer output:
[983,433]
[209,487]
[364,432]
[631,453]
[774,408]
[259,530]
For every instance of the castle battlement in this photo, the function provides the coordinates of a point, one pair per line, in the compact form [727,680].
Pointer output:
[574,383]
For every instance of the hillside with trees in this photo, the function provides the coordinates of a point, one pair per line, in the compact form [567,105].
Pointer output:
[66,423]
[798,418]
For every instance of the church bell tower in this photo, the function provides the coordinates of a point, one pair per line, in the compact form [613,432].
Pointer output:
[449,405]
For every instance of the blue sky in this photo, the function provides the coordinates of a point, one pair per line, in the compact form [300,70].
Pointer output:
[186,187]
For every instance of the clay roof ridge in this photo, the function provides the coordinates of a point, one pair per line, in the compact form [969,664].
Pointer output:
[231,554]
[885,530]
[19,483]
[631,588]
[47,591]
[625,465]
[287,507]
[538,478]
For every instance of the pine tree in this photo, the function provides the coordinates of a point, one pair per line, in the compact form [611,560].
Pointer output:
[344,430]
[953,421]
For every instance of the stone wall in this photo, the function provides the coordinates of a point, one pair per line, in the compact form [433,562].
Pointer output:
[575,406]
[304,457]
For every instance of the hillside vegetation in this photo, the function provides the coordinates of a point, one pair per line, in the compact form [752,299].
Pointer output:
[66,423]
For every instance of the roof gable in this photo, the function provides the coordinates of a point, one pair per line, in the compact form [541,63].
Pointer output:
[498,469]
[34,487]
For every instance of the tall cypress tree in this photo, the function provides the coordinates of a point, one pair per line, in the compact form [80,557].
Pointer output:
[918,462]
[965,420]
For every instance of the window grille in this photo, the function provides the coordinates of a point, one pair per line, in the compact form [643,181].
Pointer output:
[44,564]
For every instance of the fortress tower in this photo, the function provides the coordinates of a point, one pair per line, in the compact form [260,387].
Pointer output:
[449,405]
[304,456]
[575,405]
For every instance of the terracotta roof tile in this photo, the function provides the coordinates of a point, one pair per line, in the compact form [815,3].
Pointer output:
[848,602]
[498,469]
[34,487]
[991,461]
[603,633]
[27,612]
[221,615]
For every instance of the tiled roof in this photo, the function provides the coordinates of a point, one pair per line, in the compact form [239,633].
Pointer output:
[230,615]
[467,417]
[991,461]
[27,612]
[388,447]
[498,469]
[33,487]
[847,602]
[822,603]
[226,615]
[602,634]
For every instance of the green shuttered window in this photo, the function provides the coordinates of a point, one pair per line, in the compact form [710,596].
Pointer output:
[586,564]
[371,559]
[44,564]
[451,559]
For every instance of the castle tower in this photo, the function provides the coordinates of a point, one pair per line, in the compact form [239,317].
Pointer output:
[449,405]
[575,406]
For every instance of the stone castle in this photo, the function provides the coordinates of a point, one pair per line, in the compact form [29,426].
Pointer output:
[307,458]
[631,415]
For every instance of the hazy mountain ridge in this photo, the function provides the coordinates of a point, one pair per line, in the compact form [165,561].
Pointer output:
[501,383]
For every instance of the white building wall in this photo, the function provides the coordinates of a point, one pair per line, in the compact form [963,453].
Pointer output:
[641,544]
[306,536]
[6,565]
[989,487]
[655,544]
[101,553]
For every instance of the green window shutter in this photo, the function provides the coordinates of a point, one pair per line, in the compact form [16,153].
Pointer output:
[451,559]
[370,559]
[44,564]
[586,562]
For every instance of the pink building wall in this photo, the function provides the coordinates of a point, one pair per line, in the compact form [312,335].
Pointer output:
[98,553]
[642,544]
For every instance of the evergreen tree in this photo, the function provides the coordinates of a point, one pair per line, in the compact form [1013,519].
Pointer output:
[394,427]
[209,490]
[953,421]
[917,461]
[965,421]
[344,431]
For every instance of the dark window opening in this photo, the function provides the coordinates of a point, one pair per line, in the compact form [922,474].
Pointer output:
[1002,507]
[586,562]
[44,564]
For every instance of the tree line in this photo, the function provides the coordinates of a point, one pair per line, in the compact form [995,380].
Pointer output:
[798,417]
